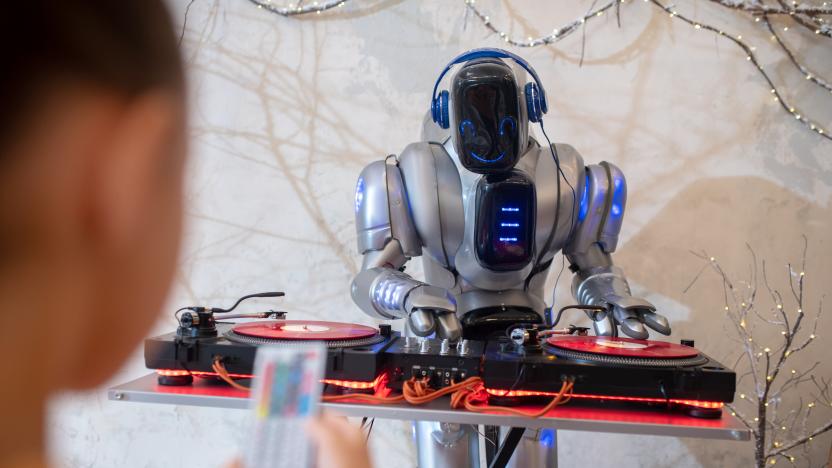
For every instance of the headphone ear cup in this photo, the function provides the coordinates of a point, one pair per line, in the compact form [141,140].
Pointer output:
[533,107]
[444,120]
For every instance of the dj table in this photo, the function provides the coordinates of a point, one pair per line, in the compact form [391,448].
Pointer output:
[569,418]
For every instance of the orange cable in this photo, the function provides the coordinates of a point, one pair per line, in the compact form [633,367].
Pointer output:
[468,400]
[219,368]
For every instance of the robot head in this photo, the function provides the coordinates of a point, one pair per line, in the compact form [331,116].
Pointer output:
[487,111]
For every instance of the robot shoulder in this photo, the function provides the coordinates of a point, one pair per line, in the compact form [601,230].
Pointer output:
[435,194]
[601,209]
[382,210]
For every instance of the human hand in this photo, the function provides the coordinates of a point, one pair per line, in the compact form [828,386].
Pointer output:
[338,443]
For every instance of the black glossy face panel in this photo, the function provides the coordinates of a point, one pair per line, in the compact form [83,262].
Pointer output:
[505,221]
[486,109]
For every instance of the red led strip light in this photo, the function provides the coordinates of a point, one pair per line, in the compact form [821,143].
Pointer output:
[526,393]
[354,384]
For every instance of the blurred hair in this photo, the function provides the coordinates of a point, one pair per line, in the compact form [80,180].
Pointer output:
[122,46]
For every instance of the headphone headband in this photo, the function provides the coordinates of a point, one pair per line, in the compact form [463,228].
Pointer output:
[489,52]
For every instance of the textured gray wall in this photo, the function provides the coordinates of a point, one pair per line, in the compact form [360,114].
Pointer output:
[286,112]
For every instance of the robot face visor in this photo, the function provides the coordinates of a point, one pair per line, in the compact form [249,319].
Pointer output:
[486,111]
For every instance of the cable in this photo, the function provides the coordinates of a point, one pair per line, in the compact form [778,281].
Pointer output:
[370,431]
[554,151]
[363,396]
[418,392]
[579,307]
[476,429]
[469,402]
[469,394]
[176,314]
[219,368]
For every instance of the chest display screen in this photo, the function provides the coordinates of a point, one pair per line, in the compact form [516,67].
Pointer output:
[504,235]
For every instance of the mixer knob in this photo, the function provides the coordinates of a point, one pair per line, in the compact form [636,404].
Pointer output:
[424,346]
[445,347]
[462,347]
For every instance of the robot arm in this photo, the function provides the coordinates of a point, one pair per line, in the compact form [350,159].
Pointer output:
[388,239]
[595,236]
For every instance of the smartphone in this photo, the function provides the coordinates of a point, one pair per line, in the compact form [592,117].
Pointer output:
[286,392]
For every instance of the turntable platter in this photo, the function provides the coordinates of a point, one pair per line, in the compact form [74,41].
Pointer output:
[624,351]
[334,334]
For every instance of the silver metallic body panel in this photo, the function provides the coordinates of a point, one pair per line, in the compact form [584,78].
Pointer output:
[434,196]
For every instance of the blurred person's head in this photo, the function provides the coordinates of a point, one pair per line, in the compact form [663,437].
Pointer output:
[92,149]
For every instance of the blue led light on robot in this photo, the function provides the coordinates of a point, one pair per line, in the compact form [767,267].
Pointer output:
[463,124]
[510,224]
[617,197]
[468,124]
[359,193]
[547,437]
[507,119]
[389,300]
[584,206]
[508,239]
[485,160]
[510,208]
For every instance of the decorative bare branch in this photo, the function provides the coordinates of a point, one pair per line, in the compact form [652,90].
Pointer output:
[772,377]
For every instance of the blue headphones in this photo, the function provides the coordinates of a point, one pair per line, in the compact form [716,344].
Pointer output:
[536,104]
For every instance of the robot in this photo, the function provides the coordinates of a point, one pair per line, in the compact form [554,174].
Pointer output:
[487,207]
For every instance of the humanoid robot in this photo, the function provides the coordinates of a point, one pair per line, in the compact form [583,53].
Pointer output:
[487,207]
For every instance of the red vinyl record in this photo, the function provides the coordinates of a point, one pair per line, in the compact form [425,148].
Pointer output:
[305,330]
[626,347]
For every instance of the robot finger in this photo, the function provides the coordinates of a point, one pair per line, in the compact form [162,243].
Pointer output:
[448,326]
[421,322]
[656,321]
[630,324]
[603,324]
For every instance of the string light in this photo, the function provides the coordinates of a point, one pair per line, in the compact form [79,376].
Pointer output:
[753,7]
[300,9]
[557,34]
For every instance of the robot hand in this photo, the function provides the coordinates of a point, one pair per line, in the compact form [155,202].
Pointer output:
[609,288]
[431,308]
[631,314]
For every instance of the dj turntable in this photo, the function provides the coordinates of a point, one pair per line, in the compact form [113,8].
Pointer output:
[531,363]
[205,345]
[609,369]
